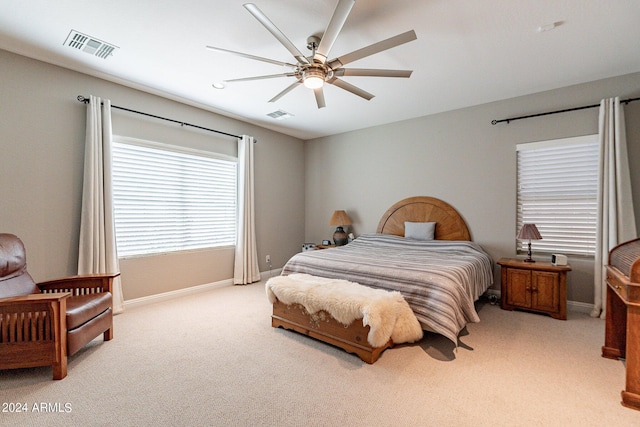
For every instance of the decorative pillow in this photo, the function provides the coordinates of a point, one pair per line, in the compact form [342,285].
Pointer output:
[420,230]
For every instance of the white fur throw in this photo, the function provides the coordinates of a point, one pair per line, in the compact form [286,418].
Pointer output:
[387,313]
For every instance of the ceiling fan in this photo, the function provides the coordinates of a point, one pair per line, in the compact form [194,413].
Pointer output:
[315,70]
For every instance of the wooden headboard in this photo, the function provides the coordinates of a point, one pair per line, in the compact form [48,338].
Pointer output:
[449,223]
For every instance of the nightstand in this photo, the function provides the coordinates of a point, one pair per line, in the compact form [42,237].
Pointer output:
[534,286]
[325,246]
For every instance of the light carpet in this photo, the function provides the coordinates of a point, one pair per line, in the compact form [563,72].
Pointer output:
[213,359]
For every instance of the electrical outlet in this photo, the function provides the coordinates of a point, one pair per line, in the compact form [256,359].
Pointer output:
[268,259]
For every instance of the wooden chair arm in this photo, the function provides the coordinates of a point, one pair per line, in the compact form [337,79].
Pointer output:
[33,332]
[81,284]
[27,307]
[34,299]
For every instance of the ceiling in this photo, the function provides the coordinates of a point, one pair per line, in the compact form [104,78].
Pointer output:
[467,52]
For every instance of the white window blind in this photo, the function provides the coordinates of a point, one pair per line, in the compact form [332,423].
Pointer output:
[169,198]
[557,191]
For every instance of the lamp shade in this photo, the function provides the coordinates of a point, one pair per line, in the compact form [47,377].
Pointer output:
[529,232]
[340,218]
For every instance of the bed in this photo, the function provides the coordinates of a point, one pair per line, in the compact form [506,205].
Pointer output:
[440,279]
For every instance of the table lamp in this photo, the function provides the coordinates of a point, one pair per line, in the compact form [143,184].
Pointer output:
[529,232]
[340,219]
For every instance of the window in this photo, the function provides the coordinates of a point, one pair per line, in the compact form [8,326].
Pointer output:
[170,198]
[557,191]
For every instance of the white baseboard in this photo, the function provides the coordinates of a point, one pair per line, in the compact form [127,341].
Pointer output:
[580,307]
[576,306]
[137,302]
[266,275]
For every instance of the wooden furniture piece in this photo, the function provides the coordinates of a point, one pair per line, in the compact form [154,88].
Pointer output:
[622,329]
[42,324]
[449,226]
[534,286]
[323,327]
[449,223]
[325,246]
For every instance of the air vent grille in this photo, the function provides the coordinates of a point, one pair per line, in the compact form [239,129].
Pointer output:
[280,115]
[90,45]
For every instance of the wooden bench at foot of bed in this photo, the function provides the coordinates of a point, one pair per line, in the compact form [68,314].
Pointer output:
[322,326]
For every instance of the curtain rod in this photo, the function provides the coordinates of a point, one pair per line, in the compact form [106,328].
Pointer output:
[495,122]
[86,100]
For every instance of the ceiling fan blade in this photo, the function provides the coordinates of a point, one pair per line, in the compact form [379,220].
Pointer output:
[373,49]
[286,91]
[351,88]
[266,22]
[270,76]
[319,97]
[339,17]
[370,72]
[246,55]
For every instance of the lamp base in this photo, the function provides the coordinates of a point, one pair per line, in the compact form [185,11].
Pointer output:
[340,237]
[528,259]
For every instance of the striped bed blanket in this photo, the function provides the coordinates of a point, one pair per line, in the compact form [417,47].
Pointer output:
[440,280]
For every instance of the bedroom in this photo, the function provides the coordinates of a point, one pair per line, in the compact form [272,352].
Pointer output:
[457,156]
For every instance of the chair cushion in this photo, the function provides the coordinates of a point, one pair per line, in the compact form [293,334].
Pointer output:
[14,279]
[12,255]
[18,285]
[82,308]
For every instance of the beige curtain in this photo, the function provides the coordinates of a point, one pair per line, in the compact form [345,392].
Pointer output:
[616,219]
[97,248]
[246,268]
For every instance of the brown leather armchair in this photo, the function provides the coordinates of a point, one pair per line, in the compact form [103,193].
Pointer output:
[41,324]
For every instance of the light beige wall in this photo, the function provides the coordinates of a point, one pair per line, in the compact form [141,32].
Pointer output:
[461,158]
[42,128]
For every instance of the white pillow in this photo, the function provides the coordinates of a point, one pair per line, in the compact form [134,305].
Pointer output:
[420,230]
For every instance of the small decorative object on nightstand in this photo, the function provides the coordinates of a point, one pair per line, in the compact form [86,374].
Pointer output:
[340,219]
[529,232]
[308,247]
[326,244]
[539,287]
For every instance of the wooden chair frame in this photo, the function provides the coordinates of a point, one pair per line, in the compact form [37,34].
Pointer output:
[33,328]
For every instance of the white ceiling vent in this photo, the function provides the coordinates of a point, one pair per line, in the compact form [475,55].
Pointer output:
[280,115]
[90,45]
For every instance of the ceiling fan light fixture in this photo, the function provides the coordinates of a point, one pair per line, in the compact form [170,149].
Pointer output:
[313,78]
[313,71]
